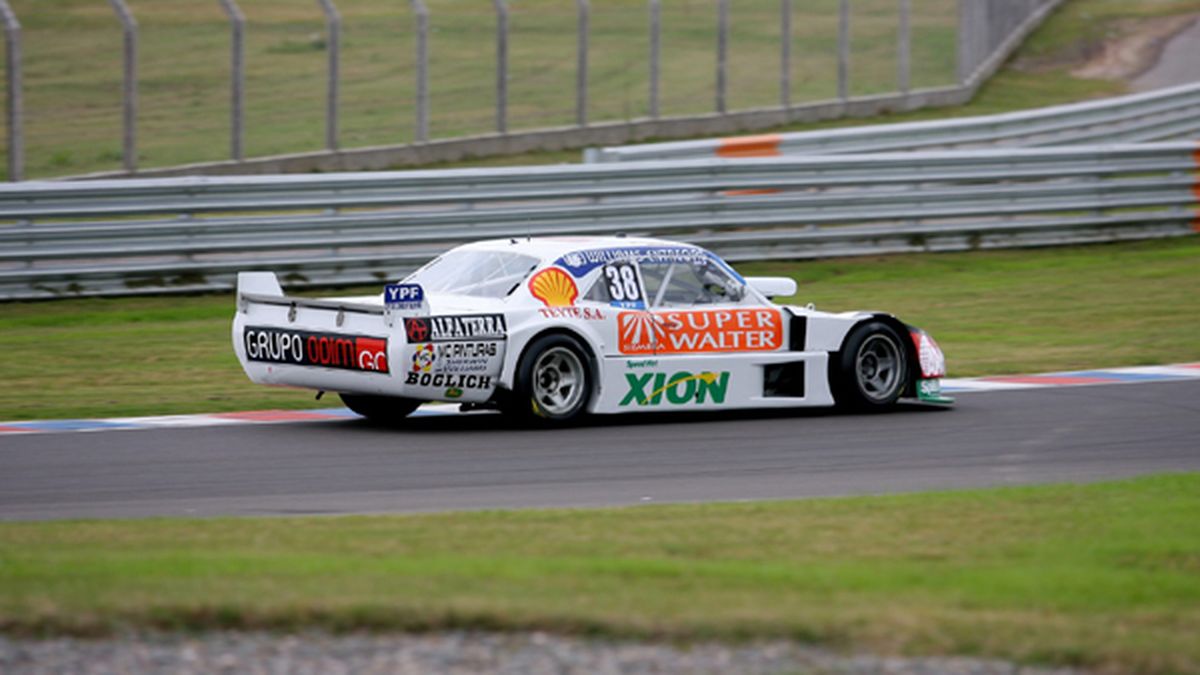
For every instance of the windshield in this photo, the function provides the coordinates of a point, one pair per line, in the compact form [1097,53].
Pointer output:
[485,274]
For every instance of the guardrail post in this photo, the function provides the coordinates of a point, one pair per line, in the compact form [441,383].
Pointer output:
[655,52]
[422,13]
[333,31]
[785,53]
[237,77]
[129,86]
[961,39]
[904,48]
[581,63]
[968,34]
[501,65]
[843,61]
[14,105]
[722,51]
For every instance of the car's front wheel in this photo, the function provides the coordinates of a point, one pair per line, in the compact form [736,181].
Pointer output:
[871,372]
[554,382]
[382,409]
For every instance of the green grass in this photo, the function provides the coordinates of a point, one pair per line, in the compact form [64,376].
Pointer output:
[1038,75]
[73,70]
[1104,576]
[992,312]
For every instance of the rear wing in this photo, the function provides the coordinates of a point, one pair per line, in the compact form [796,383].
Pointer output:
[262,288]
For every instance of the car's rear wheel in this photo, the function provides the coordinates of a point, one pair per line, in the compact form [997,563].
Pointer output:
[554,382]
[872,369]
[382,409]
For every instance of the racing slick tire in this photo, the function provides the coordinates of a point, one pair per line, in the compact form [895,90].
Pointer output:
[381,409]
[553,382]
[872,370]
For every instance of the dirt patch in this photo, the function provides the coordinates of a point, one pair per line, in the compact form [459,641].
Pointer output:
[1135,46]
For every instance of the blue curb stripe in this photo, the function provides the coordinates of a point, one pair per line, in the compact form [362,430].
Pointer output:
[1127,377]
[72,425]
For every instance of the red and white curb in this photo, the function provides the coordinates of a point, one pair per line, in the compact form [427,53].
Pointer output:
[1075,378]
[1183,371]
[202,420]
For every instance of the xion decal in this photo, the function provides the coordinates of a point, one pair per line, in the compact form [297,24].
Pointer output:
[448,328]
[554,287]
[691,332]
[327,350]
[680,389]
[440,380]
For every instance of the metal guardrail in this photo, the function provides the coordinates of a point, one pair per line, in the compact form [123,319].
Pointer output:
[1166,114]
[187,234]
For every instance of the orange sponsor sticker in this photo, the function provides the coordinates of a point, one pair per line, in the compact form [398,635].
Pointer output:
[700,331]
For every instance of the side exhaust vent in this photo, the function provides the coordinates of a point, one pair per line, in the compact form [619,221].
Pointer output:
[784,380]
[798,333]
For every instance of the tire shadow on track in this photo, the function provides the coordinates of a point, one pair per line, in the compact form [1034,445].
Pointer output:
[494,421]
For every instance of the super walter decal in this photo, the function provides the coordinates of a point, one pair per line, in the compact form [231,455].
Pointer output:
[700,331]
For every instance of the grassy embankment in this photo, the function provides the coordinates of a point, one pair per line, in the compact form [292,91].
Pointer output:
[73,70]
[992,312]
[1038,75]
[1101,575]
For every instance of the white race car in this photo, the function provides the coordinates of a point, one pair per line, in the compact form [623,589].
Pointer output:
[554,328]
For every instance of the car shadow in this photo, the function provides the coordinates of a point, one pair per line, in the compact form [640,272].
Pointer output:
[487,421]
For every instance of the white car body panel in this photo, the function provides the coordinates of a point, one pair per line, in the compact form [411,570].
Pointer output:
[696,358]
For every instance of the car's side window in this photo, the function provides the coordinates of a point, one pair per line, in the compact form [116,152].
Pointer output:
[621,280]
[598,292]
[618,284]
[638,285]
[680,284]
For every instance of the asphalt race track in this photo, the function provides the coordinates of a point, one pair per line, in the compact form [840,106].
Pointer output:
[478,461]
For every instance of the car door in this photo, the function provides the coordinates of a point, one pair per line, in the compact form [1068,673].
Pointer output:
[685,337]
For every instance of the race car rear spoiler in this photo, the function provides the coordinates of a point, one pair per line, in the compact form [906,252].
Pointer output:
[263,288]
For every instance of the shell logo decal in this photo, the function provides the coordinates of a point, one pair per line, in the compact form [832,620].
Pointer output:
[554,287]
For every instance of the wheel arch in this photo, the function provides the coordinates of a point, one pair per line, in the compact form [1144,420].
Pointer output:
[508,376]
[901,328]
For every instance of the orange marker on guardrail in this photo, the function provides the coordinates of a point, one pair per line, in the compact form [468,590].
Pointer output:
[1196,188]
[749,146]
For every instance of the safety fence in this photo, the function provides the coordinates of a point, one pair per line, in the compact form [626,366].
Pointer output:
[187,234]
[371,84]
[1166,114]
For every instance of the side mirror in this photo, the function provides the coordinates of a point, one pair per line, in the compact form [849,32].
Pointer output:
[773,287]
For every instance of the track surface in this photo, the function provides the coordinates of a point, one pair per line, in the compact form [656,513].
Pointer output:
[477,461]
